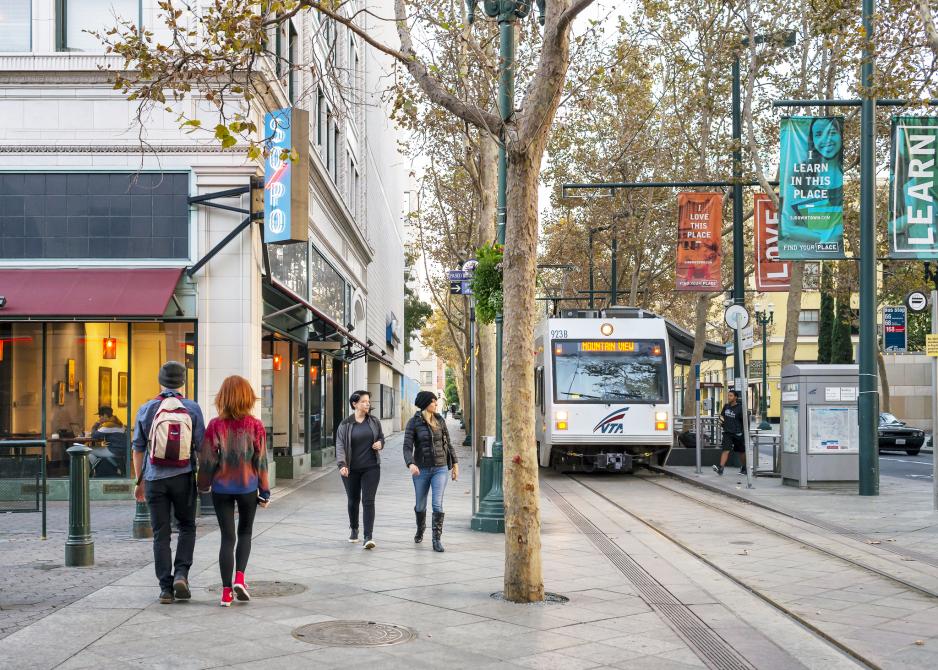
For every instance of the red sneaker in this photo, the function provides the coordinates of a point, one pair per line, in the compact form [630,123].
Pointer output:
[226,597]
[240,588]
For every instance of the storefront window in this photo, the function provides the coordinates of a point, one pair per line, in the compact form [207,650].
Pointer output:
[20,381]
[328,289]
[315,401]
[298,414]
[288,266]
[87,370]
[97,375]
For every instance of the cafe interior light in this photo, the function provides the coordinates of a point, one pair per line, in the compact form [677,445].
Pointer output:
[110,345]
[278,362]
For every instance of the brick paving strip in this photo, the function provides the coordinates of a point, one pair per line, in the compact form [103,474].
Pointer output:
[34,581]
[445,598]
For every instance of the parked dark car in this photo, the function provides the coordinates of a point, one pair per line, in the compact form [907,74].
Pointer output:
[894,435]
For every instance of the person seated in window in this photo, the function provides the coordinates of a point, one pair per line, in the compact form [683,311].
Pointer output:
[110,459]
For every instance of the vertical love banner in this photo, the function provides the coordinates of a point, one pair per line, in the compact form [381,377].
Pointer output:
[913,213]
[812,188]
[699,251]
[772,274]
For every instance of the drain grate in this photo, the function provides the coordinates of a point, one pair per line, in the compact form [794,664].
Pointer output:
[710,647]
[354,634]
[548,598]
[269,589]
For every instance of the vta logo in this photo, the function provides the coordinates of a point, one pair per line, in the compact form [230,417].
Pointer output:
[612,423]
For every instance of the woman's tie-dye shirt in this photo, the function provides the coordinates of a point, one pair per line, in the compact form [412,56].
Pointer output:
[233,457]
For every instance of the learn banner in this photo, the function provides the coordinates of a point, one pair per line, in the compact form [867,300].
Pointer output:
[700,220]
[812,188]
[913,214]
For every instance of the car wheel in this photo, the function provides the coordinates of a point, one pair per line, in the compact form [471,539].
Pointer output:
[912,452]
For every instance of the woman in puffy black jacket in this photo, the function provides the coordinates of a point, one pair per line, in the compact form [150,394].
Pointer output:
[429,453]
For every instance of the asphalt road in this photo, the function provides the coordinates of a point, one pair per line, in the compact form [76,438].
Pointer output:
[898,464]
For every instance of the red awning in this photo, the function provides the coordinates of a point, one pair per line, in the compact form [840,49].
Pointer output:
[81,292]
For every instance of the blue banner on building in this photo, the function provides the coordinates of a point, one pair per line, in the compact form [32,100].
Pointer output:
[895,329]
[286,188]
[811,188]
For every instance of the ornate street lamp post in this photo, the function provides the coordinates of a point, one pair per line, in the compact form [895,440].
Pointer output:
[491,514]
[764,316]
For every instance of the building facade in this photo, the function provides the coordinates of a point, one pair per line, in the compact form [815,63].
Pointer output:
[125,246]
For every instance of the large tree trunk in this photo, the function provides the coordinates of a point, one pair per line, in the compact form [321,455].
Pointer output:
[485,395]
[792,311]
[523,578]
[700,341]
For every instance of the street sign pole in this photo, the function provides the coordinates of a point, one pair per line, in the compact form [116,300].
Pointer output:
[697,414]
[743,385]
[934,401]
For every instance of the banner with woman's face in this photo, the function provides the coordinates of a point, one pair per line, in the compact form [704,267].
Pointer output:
[811,188]
[913,211]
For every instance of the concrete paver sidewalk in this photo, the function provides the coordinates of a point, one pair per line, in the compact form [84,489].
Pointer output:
[901,518]
[445,598]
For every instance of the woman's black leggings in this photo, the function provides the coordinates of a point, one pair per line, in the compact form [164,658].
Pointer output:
[361,487]
[225,511]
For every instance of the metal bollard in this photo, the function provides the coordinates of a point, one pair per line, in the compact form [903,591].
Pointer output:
[142,528]
[79,547]
[207,505]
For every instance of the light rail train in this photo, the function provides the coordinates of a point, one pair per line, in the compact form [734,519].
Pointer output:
[604,387]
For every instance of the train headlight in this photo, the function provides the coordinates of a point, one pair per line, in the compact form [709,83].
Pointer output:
[561,415]
[661,416]
[560,425]
[661,420]
[606,329]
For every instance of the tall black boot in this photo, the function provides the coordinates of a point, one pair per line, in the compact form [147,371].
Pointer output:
[437,531]
[421,526]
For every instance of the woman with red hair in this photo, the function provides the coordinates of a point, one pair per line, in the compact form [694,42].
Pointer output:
[233,466]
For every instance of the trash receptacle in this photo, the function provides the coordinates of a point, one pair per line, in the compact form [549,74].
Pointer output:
[820,425]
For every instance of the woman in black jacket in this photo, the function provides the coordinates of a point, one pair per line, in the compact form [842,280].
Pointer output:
[358,441]
[429,453]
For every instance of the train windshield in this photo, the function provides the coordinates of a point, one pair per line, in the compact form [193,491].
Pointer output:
[591,371]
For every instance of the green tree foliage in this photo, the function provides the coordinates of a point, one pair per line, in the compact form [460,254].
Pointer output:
[841,344]
[416,313]
[826,317]
[487,282]
[449,390]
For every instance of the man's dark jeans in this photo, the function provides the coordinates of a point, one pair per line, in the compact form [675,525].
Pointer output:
[176,494]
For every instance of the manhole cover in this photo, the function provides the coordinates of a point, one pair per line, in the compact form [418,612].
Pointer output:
[260,589]
[548,598]
[354,633]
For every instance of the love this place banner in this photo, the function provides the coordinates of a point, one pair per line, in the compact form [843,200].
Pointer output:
[772,274]
[699,224]
[913,214]
[812,188]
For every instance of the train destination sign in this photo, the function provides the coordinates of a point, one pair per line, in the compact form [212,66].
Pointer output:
[620,345]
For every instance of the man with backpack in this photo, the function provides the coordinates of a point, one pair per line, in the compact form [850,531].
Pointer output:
[168,431]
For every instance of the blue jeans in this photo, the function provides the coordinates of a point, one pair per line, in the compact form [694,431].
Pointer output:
[430,477]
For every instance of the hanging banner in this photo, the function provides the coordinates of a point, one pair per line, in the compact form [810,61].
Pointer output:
[913,214]
[286,182]
[699,224]
[812,192]
[772,274]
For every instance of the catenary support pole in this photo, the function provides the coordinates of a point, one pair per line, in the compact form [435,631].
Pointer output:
[934,400]
[739,270]
[868,404]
